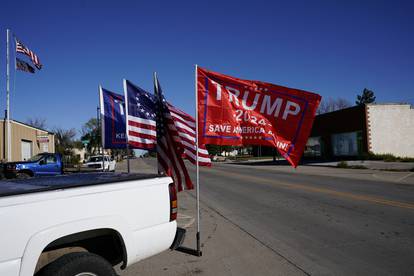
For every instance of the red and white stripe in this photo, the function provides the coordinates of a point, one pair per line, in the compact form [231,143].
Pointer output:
[20,48]
[169,152]
[170,160]
[184,132]
[142,133]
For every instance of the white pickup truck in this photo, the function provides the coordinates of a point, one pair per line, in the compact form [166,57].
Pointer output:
[94,163]
[90,222]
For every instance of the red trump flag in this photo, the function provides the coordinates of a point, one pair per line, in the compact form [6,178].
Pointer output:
[233,111]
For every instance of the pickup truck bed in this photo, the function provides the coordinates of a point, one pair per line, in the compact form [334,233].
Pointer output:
[41,184]
[118,218]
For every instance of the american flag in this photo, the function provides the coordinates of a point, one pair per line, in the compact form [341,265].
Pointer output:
[140,117]
[183,127]
[20,48]
[24,66]
[169,152]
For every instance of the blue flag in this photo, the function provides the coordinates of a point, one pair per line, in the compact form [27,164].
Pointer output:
[113,119]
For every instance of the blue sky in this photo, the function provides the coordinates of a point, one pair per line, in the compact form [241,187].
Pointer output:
[333,48]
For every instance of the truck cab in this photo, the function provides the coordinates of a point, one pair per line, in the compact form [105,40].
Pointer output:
[96,163]
[38,165]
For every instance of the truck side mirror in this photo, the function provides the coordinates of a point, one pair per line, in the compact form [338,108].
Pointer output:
[42,162]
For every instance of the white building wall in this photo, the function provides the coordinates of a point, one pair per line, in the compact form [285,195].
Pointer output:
[390,129]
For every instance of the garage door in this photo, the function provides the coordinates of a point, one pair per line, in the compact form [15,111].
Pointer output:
[26,150]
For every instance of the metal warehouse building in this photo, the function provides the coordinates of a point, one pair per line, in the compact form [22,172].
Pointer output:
[26,141]
[354,131]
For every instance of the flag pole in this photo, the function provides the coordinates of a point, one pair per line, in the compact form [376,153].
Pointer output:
[126,124]
[101,122]
[8,99]
[197,167]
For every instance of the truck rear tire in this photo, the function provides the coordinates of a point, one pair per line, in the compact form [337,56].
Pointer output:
[79,263]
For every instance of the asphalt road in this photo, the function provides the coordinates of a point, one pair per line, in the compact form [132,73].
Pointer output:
[324,225]
[321,221]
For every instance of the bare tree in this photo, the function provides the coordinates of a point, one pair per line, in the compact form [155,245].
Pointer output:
[37,122]
[330,105]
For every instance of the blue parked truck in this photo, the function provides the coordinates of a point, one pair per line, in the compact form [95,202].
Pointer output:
[38,165]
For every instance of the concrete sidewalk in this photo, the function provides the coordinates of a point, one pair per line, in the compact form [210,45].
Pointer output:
[227,250]
[368,164]
[401,177]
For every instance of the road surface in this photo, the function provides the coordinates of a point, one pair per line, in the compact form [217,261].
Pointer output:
[316,221]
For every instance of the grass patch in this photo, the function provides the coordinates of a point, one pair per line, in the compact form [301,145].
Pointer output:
[387,157]
[344,165]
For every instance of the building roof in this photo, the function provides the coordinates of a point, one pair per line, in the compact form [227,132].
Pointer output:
[27,125]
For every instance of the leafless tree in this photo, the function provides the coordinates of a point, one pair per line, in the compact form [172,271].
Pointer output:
[37,122]
[330,105]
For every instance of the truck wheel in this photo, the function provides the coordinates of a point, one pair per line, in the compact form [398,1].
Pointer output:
[78,264]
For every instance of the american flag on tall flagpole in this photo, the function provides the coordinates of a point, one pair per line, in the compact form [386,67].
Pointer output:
[169,152]
[183,127]
[140,117]
[20,48]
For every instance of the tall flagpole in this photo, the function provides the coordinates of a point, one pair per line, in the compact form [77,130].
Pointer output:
[197,166]
[126,124]
[101,123]
[8,99]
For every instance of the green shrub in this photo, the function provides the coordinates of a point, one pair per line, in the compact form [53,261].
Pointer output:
[386,157]
[407,159]
[342,164]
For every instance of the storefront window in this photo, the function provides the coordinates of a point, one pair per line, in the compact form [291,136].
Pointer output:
[313,147]
[345,144]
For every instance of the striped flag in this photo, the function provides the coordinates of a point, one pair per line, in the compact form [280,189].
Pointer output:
[183,127]
[20,48]
[140,117]
[169,152]
[24,66]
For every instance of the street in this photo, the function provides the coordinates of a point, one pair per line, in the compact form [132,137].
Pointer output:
[312,221]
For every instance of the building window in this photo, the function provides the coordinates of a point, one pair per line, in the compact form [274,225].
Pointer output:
[345,144]
[313,147]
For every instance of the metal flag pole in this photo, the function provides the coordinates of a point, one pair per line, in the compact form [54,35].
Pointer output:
[8,99]
[180,231]
[197,166]
[101,124]
[126,124]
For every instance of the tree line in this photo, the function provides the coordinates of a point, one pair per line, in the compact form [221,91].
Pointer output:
[329,105]
[67,140]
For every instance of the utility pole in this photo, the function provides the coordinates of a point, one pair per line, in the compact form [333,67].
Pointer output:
[9,156]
